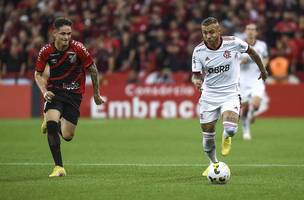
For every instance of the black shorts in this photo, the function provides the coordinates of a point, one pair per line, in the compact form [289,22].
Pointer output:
[67,104]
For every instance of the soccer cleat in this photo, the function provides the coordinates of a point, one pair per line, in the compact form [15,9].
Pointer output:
[58,171]
[205,172]
[246,136]
[43,126]
[226,145]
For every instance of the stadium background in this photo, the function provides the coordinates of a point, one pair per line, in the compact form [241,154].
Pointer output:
[143,50]
[147,42]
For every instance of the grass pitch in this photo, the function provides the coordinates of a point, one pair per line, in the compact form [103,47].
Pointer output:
[150,159]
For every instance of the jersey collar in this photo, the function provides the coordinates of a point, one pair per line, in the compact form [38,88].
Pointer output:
[216,47]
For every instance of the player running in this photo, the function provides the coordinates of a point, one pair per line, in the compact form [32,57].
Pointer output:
[216,60]
[252,89]
[67,60]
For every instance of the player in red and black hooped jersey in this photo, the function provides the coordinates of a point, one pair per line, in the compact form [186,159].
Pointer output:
[67,60]
[67,68]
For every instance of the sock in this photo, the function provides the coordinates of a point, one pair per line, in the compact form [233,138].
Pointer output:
[230,129]
[246,124]
[250,114]
[209,146]
[54,142]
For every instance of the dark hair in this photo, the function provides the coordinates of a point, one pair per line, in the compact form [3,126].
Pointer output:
[61,21]
[208,21]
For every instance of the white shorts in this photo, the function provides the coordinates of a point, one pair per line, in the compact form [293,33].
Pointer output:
[249,91]
[211,111]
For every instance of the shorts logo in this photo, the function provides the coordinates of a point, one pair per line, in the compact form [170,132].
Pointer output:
[201,116]
[227,54]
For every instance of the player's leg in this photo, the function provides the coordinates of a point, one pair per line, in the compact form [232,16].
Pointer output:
[253,107]
[230,123]
[258,92]
[230,111]
[52,117]
[67,129]
[245,121]
[45,75]
[208,121]
[43,125]
[69,120]
[208,141]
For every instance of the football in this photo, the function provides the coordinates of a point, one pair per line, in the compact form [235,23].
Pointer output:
[219,173]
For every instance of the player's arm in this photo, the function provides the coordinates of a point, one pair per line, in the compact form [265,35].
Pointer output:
[41,82]
[256,58]
[197,79]
[197,66]
[95,82]
[265,61]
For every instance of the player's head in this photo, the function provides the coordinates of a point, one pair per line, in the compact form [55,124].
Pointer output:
[62,30]
[210,29]
[251,31]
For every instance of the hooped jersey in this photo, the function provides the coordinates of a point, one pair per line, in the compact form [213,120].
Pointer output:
[221,67]
[67,68]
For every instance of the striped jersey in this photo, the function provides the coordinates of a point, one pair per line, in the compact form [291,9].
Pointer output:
[67,68]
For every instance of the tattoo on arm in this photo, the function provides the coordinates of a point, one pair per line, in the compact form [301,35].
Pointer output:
[94,76]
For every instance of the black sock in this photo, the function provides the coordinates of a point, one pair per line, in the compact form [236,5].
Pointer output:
[54,141]
[59,128]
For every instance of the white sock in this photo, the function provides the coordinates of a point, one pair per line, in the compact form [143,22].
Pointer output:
[230,129]
[250,113]
[209,146]
[246,125]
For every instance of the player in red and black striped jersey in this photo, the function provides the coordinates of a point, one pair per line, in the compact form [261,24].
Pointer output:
[67,60]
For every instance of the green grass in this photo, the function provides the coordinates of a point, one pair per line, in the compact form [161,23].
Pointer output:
[101,159]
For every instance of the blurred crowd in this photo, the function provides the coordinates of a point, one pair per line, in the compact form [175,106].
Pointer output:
[147,39]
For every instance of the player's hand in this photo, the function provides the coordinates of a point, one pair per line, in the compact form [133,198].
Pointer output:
[263,75]
[48,96]
[98,100]
[198,83]
[244,61]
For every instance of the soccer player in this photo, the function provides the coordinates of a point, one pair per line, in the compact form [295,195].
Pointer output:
[216,60]
[252,89]
[67,60]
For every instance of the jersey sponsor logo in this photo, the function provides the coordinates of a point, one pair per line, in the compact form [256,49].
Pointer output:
[219,69]
[207,58]
[227,54]
[71,86]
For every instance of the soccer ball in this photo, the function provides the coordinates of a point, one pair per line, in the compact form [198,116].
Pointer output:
[219,173]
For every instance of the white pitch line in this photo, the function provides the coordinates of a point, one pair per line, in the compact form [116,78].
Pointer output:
[150,164]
